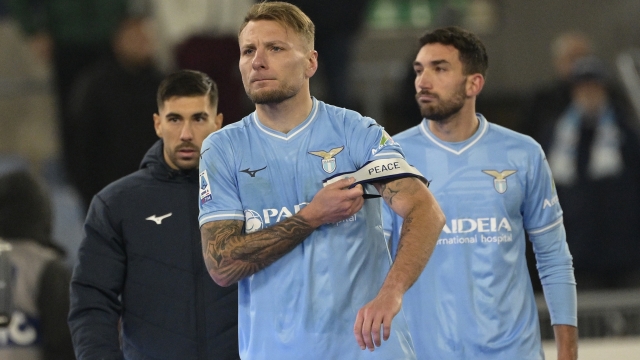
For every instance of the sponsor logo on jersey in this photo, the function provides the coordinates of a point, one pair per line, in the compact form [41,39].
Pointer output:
[328,160]
[254,220]
[500,179]
[252,173]
[472,231]
[205,188]
[492,224]
[550,202]
[352,218]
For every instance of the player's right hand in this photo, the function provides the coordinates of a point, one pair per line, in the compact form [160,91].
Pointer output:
[333,203]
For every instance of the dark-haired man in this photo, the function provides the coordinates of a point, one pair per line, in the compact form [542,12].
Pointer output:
[474,299]
[141,261]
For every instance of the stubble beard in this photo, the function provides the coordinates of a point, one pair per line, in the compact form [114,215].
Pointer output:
[182,164]
[274,96]
[446,108]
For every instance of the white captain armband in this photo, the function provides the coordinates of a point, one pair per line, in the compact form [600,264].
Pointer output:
[379,170]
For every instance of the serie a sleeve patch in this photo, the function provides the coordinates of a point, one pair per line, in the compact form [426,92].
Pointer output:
[205,188]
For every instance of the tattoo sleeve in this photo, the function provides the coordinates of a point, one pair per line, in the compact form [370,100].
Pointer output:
[231,256]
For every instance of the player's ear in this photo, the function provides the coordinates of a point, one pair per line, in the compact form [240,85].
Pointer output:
[475,83]
[312,63]
[156,125]
[218,121]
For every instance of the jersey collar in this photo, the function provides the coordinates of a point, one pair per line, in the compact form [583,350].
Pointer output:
[455,147]
[295,131]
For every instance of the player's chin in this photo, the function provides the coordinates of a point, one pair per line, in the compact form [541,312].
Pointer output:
[184,163]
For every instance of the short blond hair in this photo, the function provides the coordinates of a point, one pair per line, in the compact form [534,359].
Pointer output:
[285,14]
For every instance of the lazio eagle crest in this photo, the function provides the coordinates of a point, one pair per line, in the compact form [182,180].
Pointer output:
[328,160]
[500,179]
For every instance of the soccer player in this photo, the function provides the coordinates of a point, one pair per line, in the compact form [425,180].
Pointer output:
[474,299]
[311,261]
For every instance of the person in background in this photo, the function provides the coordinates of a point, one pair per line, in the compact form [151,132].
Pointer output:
[114,94]
[71,35]
[474,299]
[593,149]
[202,35]
[40,284]
[548,101]
[140,264]
[311,261]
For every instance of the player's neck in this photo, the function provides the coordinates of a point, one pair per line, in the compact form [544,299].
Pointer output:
[286,115]
[458,127]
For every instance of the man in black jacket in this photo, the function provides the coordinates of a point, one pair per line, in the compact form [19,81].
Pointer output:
[140,263]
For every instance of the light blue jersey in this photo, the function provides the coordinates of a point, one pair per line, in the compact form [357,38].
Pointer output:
[474,299]
[304,305]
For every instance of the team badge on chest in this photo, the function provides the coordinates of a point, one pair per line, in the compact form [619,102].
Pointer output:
[500,179]
[328,158]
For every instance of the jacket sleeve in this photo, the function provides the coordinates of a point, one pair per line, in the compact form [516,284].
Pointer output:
[96,285]
[53,306]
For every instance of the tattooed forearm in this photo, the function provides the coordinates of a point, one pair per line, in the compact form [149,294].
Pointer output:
[217,238]
[231,256]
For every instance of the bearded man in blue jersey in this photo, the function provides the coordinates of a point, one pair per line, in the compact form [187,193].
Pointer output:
[474,299]
[311,260]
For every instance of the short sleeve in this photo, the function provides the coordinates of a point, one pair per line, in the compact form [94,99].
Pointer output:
[218,194]
[371,142]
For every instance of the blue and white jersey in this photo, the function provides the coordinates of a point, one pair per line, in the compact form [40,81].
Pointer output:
[474,299]
[304,305]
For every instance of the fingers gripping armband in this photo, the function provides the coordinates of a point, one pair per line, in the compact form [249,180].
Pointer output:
[379,170]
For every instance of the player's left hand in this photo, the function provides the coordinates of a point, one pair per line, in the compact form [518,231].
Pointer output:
[377,314]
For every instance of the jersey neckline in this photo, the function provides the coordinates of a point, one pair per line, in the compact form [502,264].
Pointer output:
[456,147]
[295,131]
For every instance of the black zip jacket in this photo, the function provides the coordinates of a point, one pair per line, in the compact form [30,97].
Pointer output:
[141,262]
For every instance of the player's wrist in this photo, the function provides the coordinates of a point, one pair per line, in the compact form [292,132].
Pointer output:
[309,216]
[393,289]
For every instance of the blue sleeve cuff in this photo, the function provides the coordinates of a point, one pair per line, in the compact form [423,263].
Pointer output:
[563,304]
[555,268]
